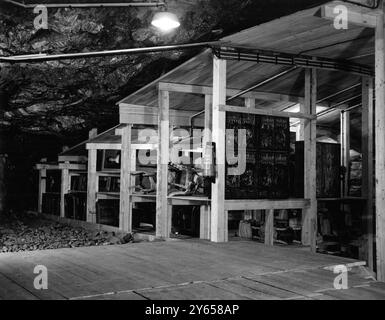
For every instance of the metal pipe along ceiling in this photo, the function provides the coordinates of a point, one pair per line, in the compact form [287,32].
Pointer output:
[45,57]
[88,5]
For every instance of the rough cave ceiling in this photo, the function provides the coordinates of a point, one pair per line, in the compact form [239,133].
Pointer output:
[62,97]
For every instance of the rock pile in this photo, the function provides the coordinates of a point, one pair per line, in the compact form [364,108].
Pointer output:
[28,233]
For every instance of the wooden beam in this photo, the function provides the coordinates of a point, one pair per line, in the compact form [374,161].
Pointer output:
[142,198]
[92,186]
[163,228]
[356,15]
[65,188]
[188,201]
[218,214]
[118,146]
[207,90]
[269,227]
[72,158]
[42,189]
[138,114]
[72,166]
[249,103]
[345,150]
[267,112]
[47,166]
[266,204]
[309,215]
[125,216]
[208,120]
[205,211]
[300,128]
[380,145]
[204,229]
[367,165]
[104,146]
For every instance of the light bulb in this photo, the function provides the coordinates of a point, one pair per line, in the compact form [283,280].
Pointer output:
[165,21]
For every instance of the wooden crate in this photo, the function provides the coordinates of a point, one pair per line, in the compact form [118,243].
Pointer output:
[75,206]
[51,203]
[107,212]
[267,150]
[328,170]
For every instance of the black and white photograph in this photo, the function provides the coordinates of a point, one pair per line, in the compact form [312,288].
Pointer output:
[195,156]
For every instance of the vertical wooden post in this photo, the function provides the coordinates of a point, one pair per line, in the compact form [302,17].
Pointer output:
[163,227]
[92,180]
[208,119]
[367,164]
[125,211]
[380,145]
[65,187]
[345,149]
[92,186]
[218,214]
[309,221]
[249,103]
[205,215]
[269,227]
[300,128]
[42,187]
[205,212]
[207,133]
[133,167]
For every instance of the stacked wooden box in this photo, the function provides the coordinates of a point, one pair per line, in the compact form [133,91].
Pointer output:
[355,178]
[328,165]
[75,202]
[107,212]
[267,156]
[51,198]
[75,206]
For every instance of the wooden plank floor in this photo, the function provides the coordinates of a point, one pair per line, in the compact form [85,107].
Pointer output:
[184,269]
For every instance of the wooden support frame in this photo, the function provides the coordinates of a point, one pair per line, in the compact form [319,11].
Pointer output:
[125,206]
[380,144]
[345,149]
[367,164]
[42,187]
[138,114]
[46,166]
[205,211]
[300,128]
[309,215]
[266,204]
[72,158]
[92,186]
[269,227]
[207,90]
[64,189]
[104,146]
[72,166]
[266,112]
[219,216]
[205,222]
[249,104]
[42,167]
[163,222]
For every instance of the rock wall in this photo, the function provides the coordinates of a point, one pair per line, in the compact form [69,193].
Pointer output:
[64,99]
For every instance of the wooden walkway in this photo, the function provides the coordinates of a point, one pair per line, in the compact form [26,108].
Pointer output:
[182,270]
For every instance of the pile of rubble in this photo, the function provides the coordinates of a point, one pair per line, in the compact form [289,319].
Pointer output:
[28,232]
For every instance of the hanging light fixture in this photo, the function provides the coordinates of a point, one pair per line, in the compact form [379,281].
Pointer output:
[165,20]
